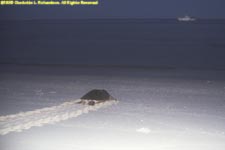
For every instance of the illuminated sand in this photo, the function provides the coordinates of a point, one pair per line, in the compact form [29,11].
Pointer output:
[157,109]
[49,115]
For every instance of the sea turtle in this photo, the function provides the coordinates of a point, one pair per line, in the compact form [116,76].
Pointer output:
[96,96]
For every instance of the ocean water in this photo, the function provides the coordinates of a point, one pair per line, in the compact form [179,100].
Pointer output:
[140,42]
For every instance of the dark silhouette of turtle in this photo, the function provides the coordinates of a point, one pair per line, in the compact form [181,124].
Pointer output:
[96,96]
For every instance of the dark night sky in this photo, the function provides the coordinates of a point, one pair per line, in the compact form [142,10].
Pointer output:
[120,9]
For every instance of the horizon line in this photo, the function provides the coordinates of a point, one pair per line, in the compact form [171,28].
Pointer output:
[103,18]
[122,66]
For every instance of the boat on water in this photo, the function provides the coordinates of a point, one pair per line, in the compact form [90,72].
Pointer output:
[186,18]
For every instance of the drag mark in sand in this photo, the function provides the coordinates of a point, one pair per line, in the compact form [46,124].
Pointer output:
[49,115]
